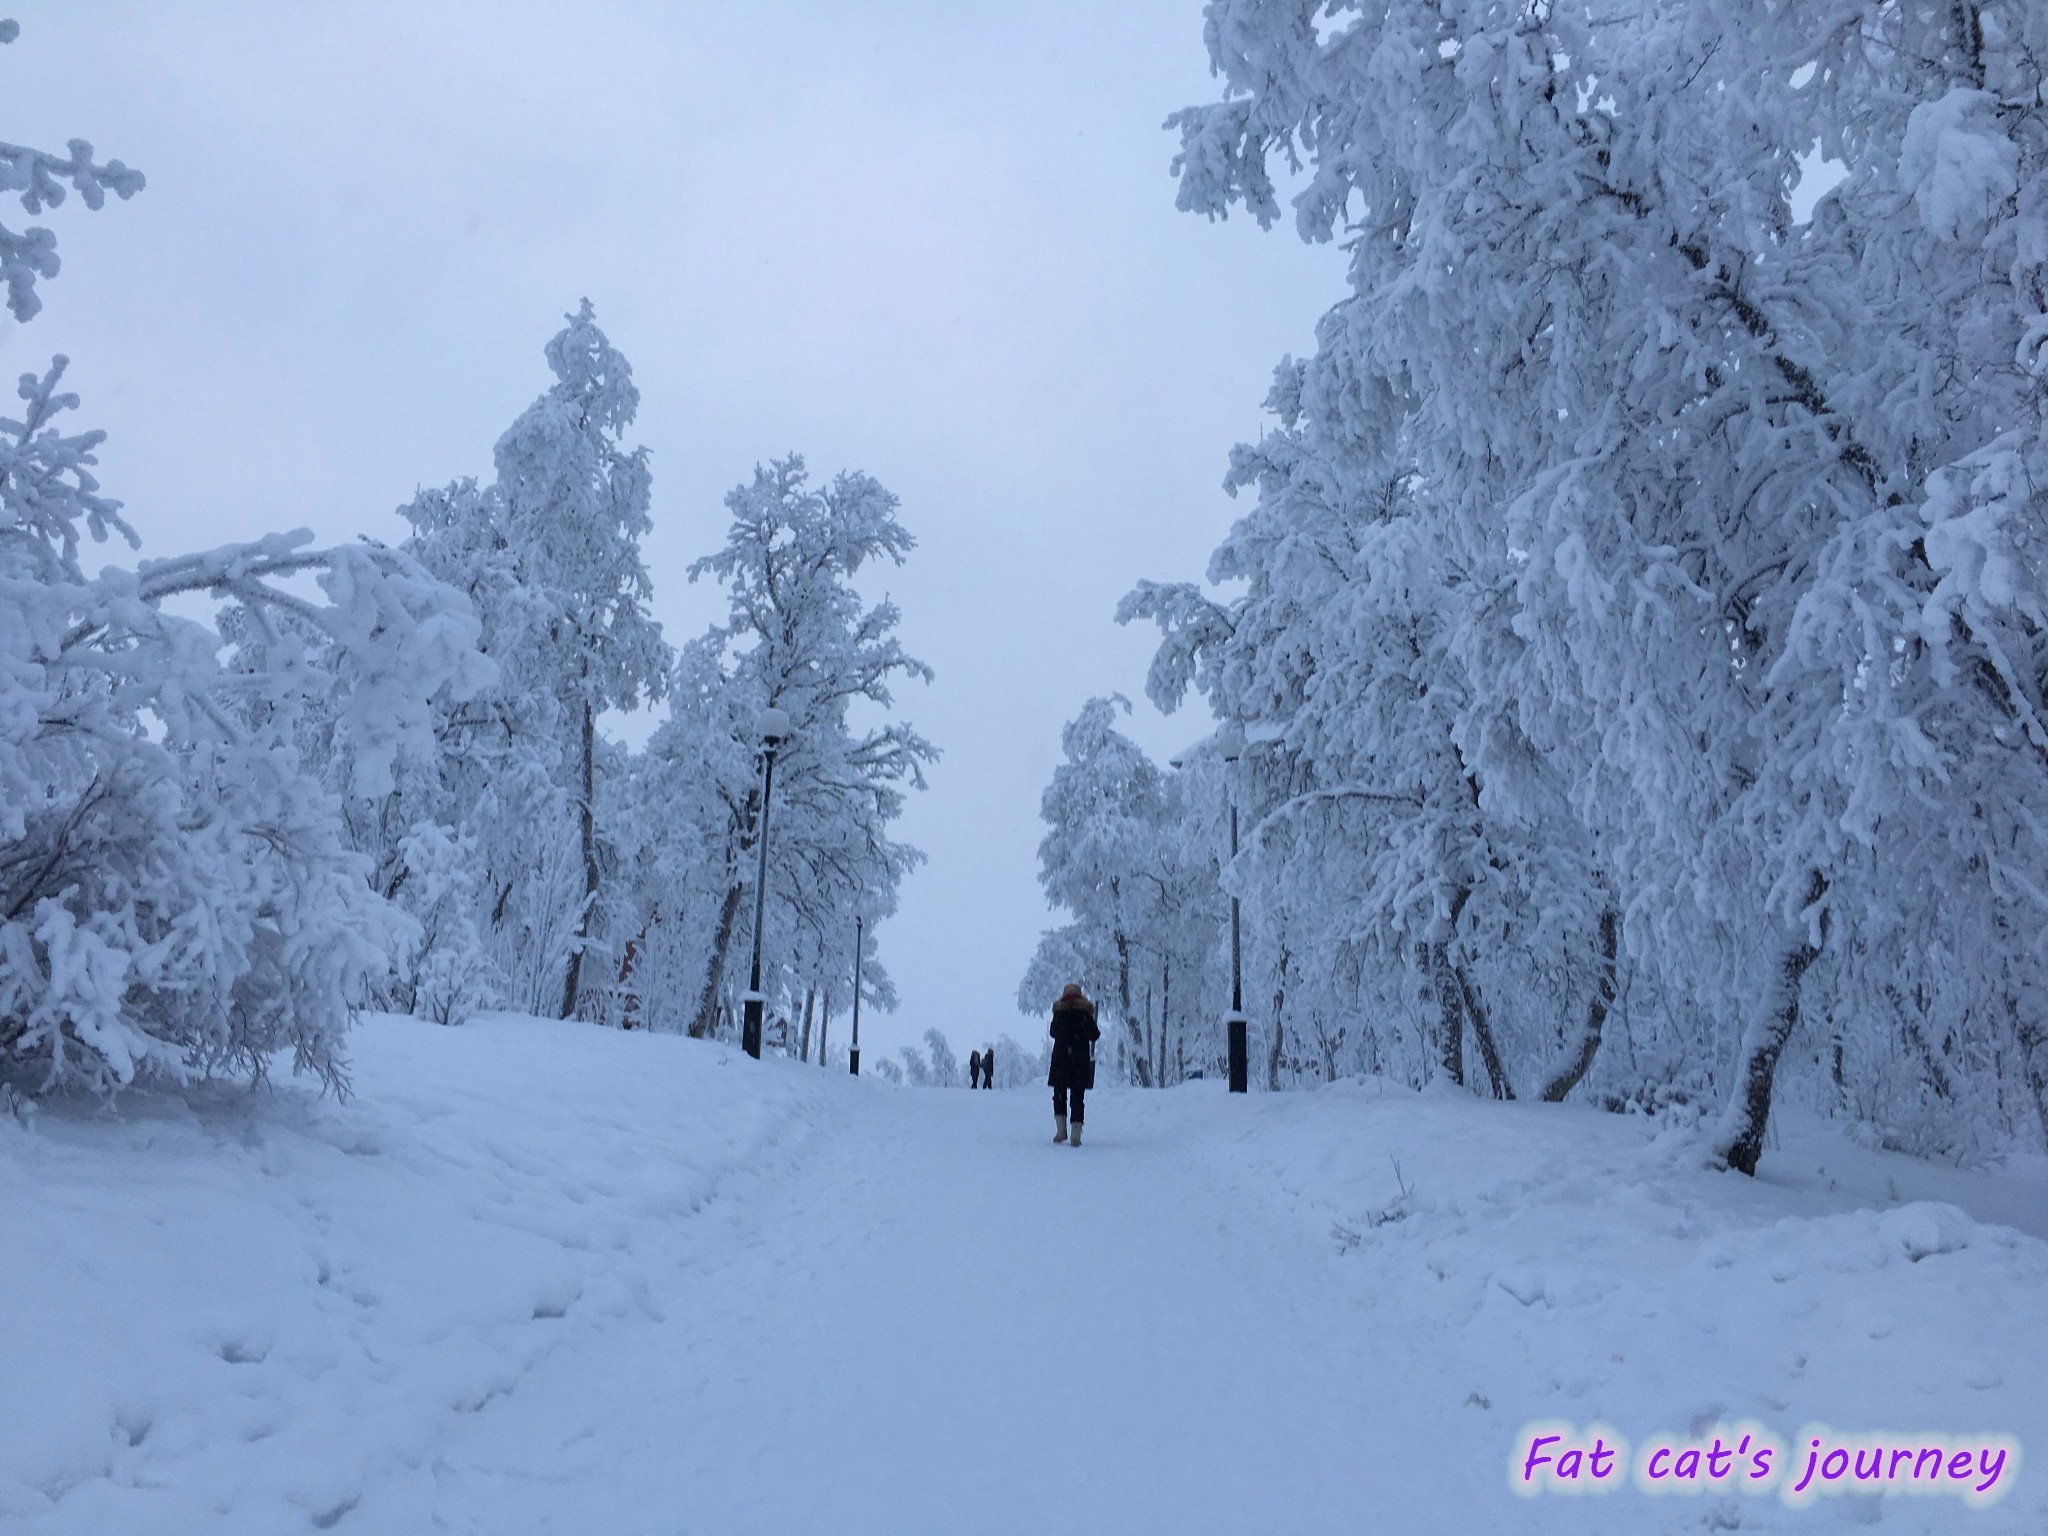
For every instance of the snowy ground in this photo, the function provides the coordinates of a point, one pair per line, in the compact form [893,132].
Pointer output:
[541,1278]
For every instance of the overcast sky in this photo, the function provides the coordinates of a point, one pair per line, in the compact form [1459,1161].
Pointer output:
[934,241]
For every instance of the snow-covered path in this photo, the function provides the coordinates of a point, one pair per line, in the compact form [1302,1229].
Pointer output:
[940,1322]
[945,1324]
[537,1279]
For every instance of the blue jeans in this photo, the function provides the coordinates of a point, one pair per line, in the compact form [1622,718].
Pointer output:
[1059,1102]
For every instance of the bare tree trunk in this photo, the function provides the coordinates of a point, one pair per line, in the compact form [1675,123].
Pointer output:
[631,1009]
[1739,1141]
[810,1001]
[1165,1015]
[2033,1044]
[1970,38]
[1482,1031]
[1155,1031]
[705,1025]
[710,1011]
[574,983]
[1930,1061]
[1279,1004]
[1139,1056]
[1435,964]
[1573,1065]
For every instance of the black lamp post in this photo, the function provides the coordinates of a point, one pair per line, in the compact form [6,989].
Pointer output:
[1230,747]
[859,945]
[774,727]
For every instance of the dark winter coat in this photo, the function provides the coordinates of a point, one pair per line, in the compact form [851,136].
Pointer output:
[1073,1032]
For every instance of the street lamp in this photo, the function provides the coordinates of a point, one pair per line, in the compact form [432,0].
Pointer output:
[859,945]
[1230,747]
[774,728]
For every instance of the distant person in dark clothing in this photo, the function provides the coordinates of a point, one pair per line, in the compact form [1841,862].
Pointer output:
[974,1069]
[988,1067]
[1074,1034]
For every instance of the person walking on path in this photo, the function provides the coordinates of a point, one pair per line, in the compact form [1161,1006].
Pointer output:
[1074,1034]
[988,1067]
[974,1069]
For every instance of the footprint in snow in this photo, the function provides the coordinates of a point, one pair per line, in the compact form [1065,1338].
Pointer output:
[241,1348]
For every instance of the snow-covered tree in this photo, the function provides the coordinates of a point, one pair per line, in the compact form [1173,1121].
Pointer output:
[1018,1066]
[177,894]
[935,1066]
[1693,543]
[576,507]
[1127,858]
[669,808]
[449,975]
[798,636]
[42,180]
[915,1069]
[549,553]
[945,1066]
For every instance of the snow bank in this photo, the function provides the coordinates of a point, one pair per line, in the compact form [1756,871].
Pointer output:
[232,1317]
[1557,1264]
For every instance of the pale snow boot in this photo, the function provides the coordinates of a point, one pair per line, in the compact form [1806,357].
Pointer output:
[1077,1133]
[1060,1132]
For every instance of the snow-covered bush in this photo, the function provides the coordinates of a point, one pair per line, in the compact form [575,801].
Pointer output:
[176,893]
[450,975]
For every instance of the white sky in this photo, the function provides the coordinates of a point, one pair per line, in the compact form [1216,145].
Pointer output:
[935,241]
